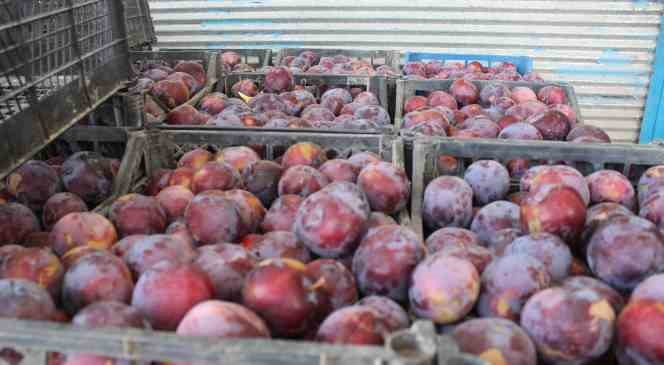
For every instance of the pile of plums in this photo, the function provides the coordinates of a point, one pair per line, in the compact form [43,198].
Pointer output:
[171,84]
[232,62]
[495,110]
[439,70]
[228,245]
[281,104]
[312,63]
[38,193]
[559,270]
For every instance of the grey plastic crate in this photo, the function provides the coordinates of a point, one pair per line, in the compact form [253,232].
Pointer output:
[140,30]
[630,160]
[408,88]
[377,85]
[58,61]
[37,341]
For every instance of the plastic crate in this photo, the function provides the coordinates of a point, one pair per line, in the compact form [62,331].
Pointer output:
[524,64]
[408,88]
[256,58]
[630,160]
[377,58]
[140,30]
[377,85]
[35,340]
[133,102]
[58,61]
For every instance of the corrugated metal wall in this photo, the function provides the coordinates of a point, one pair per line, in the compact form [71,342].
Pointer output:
[604,48]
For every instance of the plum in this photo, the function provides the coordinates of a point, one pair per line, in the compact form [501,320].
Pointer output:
[182,176]
[278,79]
[97,276]
[569,112]
[496,341]
[339,282]
[555,209]
[638,332]
[193,68]
[440,98]
[494,217]
[246,87]
[385,259]
[137,214]
[23,299]
[586,282]
[82,229]
[109,313]
[520,130]
[212,218]
[303,153]
[476,127]
[433,116]
[317,114]
[16,222]
[332,104]
[386,186]
[267,102]
[653,209]
[550,250]
[281,215]
[213,104]
[301,180]
[366,98]
[472,110]
[343,94]
[215,175]
[171,92]
[86,175]
[650,182]
[155,74]
[465,92]
[489,180]
[184,115]
[331,221]
[415,102]
[569,326]
[261,178]
[451,236]
[625,250]
[285,296]
[174,200]
[195,159]
[230,58]
[227,266]
[444,289]
[552,95]
[148,251]
[558,174]
[362,159]
[219,319]
[374,113]
[586,130]
[508,282]
[353,325]
[492,92]
[166,292]
[391,312]
[278,244]
[59,205]
[553,124]
[522,94]
[415,68]
[158,180]
[33,183]
[38,265]
[611,186]
[340,170]
[501,239]
[238,157]
[448,202]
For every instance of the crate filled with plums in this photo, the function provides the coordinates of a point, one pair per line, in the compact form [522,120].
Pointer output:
[563,256]
[444,66]
[469,109]
[280,100]
[339,61]
[164,80]
[297,242]
[242,60]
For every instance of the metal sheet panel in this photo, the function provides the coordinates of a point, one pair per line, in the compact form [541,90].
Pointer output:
[605,49]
